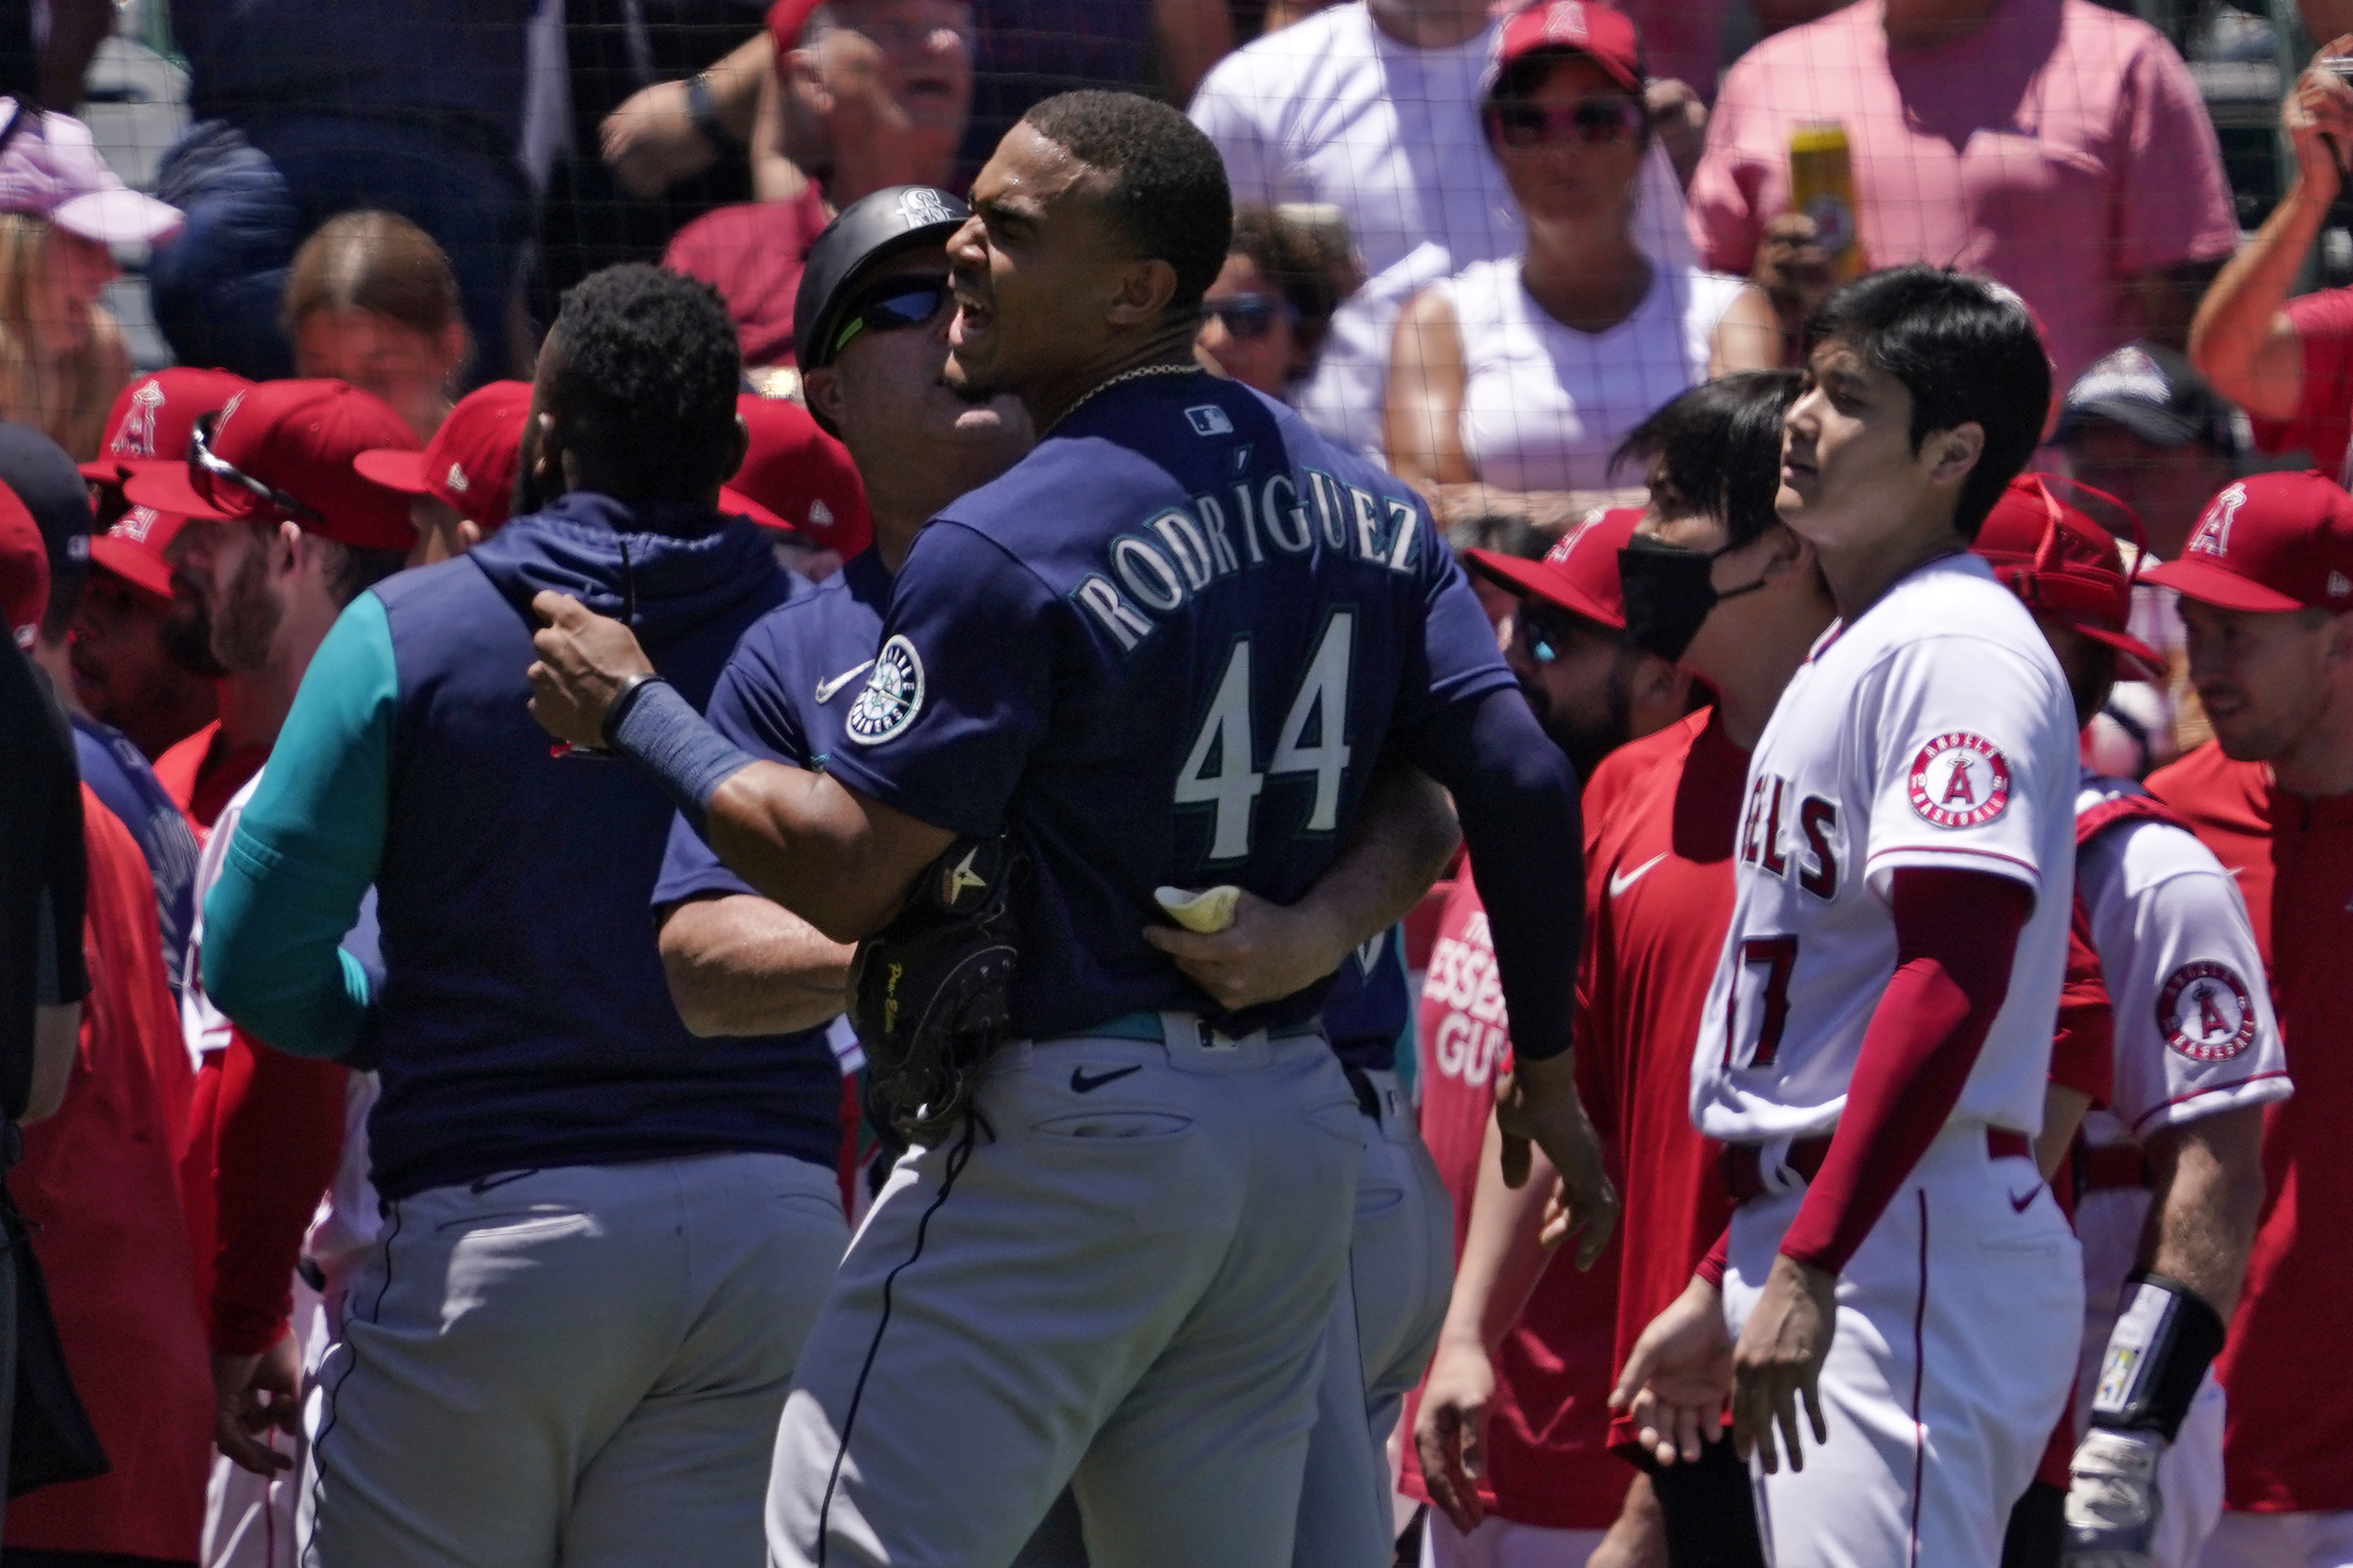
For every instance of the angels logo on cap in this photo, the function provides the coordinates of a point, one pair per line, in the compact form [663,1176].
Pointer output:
[2214,535]
[134,524]
[456,480]
[2205,1012]
[137,437]
[1565,23]
[893,695]
[922,206]
[1960,780]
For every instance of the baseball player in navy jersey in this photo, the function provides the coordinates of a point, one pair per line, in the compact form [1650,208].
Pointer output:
[872,331]
[2167,1158]
[1164,648]
[1877,1036]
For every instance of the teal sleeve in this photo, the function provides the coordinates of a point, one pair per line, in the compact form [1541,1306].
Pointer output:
[306,850]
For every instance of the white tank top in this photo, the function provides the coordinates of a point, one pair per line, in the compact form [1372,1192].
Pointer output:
[1544,406]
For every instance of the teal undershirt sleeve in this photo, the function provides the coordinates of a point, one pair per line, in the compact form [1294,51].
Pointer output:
[307,849]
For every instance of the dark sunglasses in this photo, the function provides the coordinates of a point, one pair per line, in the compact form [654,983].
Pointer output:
[899,303]
[1249,316]
[207,472]
[1594,121]
[1547,632]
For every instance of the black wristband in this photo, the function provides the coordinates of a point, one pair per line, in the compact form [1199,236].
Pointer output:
[2164,1340]
[704,111]
[622,701]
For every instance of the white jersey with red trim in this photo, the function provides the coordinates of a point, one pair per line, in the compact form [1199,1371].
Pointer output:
[2194,1030]
[1935,730]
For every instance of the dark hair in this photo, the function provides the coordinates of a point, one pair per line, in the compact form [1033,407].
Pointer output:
[1168,186]
[1966,351]
[351,570]
[646,377]
[1720,445]
[1504,535]
[1526,77]
[1296,261]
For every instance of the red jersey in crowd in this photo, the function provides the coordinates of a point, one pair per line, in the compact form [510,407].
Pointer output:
[202,771]
[1658,880]
[1548,1463]
[97,1183]
[2287,1446]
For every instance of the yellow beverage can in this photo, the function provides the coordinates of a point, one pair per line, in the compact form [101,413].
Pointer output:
[1822,186]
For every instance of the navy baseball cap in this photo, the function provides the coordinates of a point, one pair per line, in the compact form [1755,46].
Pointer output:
[867,233]
[2154,393]
[38,472]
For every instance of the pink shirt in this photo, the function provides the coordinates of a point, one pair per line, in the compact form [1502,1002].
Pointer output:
[2061,149]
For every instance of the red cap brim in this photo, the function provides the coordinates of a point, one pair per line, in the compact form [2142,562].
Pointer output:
[166,488]
[1537,580]
[736,503]
[2211,585]
[2143,661]
[135,567]
[394,469]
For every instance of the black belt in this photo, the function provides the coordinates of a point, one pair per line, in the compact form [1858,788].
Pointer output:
[1368,1098]
[2110,1167]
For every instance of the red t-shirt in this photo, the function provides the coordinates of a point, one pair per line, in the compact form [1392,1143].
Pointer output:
[1657,899]
[753,253]
[1548,1460]
[2287,1444]
[97,1183]
[201,772]
[2323,422]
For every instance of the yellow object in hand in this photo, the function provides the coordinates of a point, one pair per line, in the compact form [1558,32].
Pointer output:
[1209,912]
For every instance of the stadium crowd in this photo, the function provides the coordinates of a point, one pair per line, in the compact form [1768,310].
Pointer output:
[447,1080]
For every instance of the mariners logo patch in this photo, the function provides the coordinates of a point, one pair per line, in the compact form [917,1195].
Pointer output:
[893,695]
[2205,1012]
[1960,780]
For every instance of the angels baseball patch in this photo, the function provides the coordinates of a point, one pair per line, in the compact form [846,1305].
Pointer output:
[1960,780]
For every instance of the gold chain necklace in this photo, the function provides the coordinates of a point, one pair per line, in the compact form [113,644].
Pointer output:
[1138,373]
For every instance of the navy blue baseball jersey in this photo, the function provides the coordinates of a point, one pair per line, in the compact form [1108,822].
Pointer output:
[1366,1011]
[1168,647]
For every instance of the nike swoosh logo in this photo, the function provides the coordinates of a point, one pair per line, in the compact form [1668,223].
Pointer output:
[2018,1204]
[1621,880]
[1082,1084]
[826,688]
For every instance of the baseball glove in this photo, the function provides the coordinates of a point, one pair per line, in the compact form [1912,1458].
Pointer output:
[929,993]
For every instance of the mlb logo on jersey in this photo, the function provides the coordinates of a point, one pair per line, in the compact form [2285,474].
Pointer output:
[1960,780]
[1208,419]
[2205,1012]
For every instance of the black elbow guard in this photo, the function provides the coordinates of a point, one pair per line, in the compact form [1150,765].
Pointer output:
[2158,1354]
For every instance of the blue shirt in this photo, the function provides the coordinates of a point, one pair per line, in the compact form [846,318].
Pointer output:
[1168,647]
[119,777]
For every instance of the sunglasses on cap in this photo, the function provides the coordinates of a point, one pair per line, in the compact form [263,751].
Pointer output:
[207,472]
[1249,316]
[1547,632]
[894,303]
[1592,122]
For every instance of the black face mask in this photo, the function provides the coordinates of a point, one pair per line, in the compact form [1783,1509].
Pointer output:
[1667,595]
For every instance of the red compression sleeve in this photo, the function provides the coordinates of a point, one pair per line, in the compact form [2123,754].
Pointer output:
[1956,933]
[1719,1257]
[280,1133]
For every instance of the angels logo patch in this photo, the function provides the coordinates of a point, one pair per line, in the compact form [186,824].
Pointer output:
[893,695]
[1960,780]
[2205,1012]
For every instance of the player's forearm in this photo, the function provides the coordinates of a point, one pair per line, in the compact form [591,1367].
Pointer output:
[2233,321]
[825,854]
[1399,846]
[1516,797]
[740,965]
[1957,932]
[2209,1182]
[1502,1257]
[278,1134]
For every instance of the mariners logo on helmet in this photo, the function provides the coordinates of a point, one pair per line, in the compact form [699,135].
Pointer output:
[893,695]
[924,205]
[2204,1012]
[1960,780]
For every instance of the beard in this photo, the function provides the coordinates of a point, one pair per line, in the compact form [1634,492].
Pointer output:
[1584,739]
[187,633]
[247,625]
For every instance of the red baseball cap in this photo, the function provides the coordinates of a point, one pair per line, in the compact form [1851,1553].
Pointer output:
[1579,575]
[470,461]
[151,417]
[24,570]
[133,549]
[802,476]
[2058,560]
[1606,37]
[299,439]
[2270,543]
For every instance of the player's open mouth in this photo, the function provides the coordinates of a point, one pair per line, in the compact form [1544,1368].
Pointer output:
[971,319]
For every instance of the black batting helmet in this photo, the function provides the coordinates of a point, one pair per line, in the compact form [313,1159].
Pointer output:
[867,233]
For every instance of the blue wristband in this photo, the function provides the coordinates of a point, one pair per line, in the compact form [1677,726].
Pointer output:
[673,742]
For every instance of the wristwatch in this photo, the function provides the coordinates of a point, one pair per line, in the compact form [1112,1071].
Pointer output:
[704,111]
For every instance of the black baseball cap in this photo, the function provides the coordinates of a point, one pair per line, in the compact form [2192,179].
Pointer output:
[38,472]
[2154,393]
[867,233]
